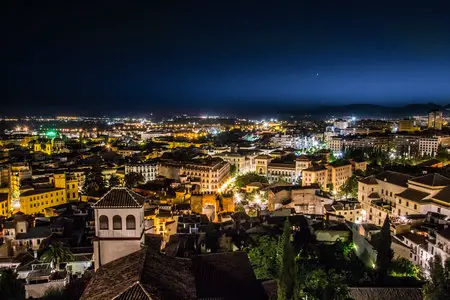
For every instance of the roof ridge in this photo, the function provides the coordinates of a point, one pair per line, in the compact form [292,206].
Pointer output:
[130,192]
[102,197]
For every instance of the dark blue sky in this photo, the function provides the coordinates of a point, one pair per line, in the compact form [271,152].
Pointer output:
[111,56]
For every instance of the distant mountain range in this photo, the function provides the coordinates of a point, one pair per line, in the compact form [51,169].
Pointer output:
[372,110]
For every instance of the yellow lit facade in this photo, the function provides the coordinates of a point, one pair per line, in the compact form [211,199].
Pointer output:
[36,201]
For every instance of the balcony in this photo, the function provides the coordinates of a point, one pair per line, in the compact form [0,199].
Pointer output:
[116,233]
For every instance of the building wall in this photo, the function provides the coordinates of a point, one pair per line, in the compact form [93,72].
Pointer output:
[339,175]
[309,177]
[148,171]
[37,203]
[108,250]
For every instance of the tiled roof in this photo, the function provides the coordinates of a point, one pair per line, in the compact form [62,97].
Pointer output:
[396,178]
[40,191]
[114,278]
[385,293]
[415,238]
[216,273]
[443,195]
[135,292]
[148,274]
[429,162]
[120,197]
[34,233]
[434,179]
[413,195]
[369,180]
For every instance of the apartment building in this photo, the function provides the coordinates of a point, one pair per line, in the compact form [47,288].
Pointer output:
[338,173]
[315,174]
[148,170]
[428,146]
[60,189]
[350,210]
[242,160]
[210,174]
[377,194]
[293,141]
[400,195]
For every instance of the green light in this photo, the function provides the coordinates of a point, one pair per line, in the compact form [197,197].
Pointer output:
[51,134]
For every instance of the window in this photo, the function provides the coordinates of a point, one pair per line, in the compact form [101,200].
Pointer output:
[103,223]
[117,223]
[415,206]
[131,222]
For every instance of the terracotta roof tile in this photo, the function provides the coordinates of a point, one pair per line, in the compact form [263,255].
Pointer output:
[120,197]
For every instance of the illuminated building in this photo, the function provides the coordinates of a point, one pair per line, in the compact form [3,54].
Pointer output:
[350,210]
[4,204]
[315,174]
[148,170]
[435,120]
[119,225]
[400,195]
[338,173]
[61,189]
[18,172]
[428,146]
[52,143]
[408,125]
[341,124]
[293,141]
[241,160]
[209,174]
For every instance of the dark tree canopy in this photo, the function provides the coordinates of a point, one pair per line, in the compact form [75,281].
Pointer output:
[243,180]
[11,287]
[133,179]
[384,251]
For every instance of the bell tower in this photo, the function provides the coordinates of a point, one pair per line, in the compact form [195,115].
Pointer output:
[119,225]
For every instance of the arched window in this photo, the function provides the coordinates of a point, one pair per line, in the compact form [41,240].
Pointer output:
[131,222]
[117,223]
[104,223]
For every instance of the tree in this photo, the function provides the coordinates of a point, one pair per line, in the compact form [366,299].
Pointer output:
[438,287]
[263,257]
[384,251]
[57,254]
[10,287]
[288,270]
[244,179]
[321,284]
[350,188]
[114,181]
[94,182]
[233,170]
[403,267]
[132,179]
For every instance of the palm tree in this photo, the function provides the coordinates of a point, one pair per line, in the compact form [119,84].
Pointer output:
[57,254]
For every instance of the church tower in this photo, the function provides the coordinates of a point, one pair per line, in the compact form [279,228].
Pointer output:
[119,225]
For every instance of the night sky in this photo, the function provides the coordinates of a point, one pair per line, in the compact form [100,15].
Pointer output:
[112,57]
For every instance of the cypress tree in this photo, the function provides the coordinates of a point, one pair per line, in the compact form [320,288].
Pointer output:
[286,276]
[384,252]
